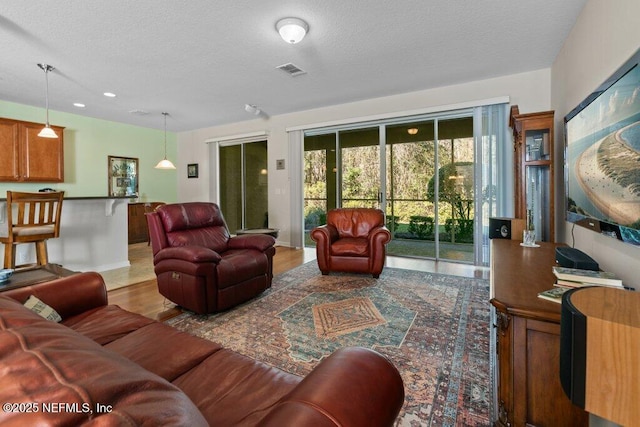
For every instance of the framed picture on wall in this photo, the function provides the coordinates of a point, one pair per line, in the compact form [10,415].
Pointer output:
[123,176]
[192,170]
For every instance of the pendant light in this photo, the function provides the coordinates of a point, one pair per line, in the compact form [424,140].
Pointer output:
[46,131]
[164,163]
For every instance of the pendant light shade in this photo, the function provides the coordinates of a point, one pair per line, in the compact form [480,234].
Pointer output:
[165,163]
[46,131]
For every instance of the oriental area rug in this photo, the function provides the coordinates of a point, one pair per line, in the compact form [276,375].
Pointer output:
[433,327]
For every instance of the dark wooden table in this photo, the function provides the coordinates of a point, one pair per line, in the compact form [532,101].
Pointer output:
[527,331]
[32,275]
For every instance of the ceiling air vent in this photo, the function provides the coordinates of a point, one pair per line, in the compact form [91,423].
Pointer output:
[138,112]
[291,69]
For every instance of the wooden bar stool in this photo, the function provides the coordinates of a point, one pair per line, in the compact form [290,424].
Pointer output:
[36,219]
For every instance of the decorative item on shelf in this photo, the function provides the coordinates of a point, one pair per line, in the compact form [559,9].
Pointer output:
[165,163]
[46,131]
[292,30]
[529,234]
[192,170]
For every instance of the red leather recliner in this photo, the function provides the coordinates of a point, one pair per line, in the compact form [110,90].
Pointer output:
[199,265]
[353,240]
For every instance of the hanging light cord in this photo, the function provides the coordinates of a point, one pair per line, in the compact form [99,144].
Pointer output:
[46,95]
[165,134]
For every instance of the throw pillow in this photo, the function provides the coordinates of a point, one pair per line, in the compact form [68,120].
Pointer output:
[37,306]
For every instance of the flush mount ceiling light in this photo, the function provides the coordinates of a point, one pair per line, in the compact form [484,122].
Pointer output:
[46,131]
[412,131]
[292,30]
[165,163]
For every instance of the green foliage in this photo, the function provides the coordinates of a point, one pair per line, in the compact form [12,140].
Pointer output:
[392,222]
[461,229]
[314,218]
[421,226]
[455,187]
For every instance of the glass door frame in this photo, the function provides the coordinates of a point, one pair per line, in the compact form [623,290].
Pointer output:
[381,125]
[217,157]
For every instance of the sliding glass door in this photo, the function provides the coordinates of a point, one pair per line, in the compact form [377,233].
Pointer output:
[243,185]
[420,172]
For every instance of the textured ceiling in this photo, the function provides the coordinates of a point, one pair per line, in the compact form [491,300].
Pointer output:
[202,61]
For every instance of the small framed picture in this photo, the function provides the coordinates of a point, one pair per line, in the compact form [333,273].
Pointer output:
[192,170]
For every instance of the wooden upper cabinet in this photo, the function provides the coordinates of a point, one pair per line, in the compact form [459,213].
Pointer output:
[26,157]
[9,163]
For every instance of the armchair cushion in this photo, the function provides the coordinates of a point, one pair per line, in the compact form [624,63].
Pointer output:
[350,246]
[194,224]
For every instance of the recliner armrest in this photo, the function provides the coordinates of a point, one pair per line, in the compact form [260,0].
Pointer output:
[353,387]
[195,254]
[260,242]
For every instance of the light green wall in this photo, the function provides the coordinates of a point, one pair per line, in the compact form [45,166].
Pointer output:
[87,144]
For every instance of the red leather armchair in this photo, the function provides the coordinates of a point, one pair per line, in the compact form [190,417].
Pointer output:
[353,240]
[199,265]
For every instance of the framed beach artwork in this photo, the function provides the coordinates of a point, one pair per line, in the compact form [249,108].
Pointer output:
[123,176]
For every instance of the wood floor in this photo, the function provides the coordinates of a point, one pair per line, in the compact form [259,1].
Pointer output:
[143,298]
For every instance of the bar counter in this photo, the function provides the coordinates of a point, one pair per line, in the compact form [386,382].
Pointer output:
[93,234]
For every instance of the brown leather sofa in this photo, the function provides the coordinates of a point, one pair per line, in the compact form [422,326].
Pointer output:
[353,240]
[102,365]
[199,265]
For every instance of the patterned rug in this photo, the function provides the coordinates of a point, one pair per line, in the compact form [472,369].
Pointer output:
[433,327]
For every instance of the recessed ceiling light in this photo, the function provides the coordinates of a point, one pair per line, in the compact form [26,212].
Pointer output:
[79,105]
[110,95]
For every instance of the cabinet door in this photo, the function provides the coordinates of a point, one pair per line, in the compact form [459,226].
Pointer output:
[43,158]
[9,164]
[536,377]
[504,369]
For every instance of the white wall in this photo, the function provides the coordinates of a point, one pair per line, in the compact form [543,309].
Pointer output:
[93,236]
[529,90]
[605,35]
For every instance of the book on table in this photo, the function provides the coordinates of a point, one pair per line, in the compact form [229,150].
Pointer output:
[554,294]
[586,277]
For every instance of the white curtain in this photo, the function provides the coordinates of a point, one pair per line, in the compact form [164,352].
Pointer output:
[295,183]
[493,173]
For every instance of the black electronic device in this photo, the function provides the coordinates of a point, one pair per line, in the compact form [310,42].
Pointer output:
[575,258]
[505,228]
[605,146]
[573,351]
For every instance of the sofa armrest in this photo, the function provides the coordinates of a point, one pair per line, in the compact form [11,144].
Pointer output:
[352,387]
[260,242]
[194,254]
[325,234]
[69,296]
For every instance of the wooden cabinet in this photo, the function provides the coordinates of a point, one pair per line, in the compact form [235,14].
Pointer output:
[526,332]
[138,230]
[534,170]
[26,157]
